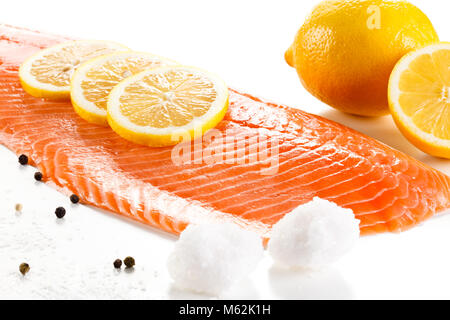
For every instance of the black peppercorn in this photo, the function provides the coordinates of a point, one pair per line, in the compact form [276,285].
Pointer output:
[38,176]
[117,263]
[60,212]
[74,198]
[129,262]
[23,159]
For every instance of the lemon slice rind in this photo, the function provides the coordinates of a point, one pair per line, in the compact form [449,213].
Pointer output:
[159,137]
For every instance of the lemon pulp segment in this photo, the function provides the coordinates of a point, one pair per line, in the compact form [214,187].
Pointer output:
[419,97]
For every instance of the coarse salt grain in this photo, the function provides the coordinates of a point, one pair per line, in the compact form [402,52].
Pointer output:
[211,258]
[313,235]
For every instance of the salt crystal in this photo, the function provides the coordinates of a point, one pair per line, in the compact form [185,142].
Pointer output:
[313,235]
[211,258]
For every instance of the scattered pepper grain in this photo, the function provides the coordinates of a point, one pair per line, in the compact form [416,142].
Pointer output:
[117,263]
[24,268]
[38,176]
[129,262]
[60,212]
[74,198]
[23,159]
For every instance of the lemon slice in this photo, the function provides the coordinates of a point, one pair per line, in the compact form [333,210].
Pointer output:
[163,106]
[47,73]
[419,98]
[93,80]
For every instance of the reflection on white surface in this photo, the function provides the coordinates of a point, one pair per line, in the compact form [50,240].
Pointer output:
[175,293]
[243,290]
[308,284]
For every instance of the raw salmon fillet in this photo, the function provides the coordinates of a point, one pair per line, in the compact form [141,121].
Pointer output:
[386,189]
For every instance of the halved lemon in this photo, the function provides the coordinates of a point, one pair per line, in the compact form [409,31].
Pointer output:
[93,80]
[419,98]
[47,73]
[163,106]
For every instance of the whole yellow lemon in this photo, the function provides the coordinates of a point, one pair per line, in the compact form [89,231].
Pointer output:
[345,51]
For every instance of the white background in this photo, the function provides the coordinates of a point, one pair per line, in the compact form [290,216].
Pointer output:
[244,42]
